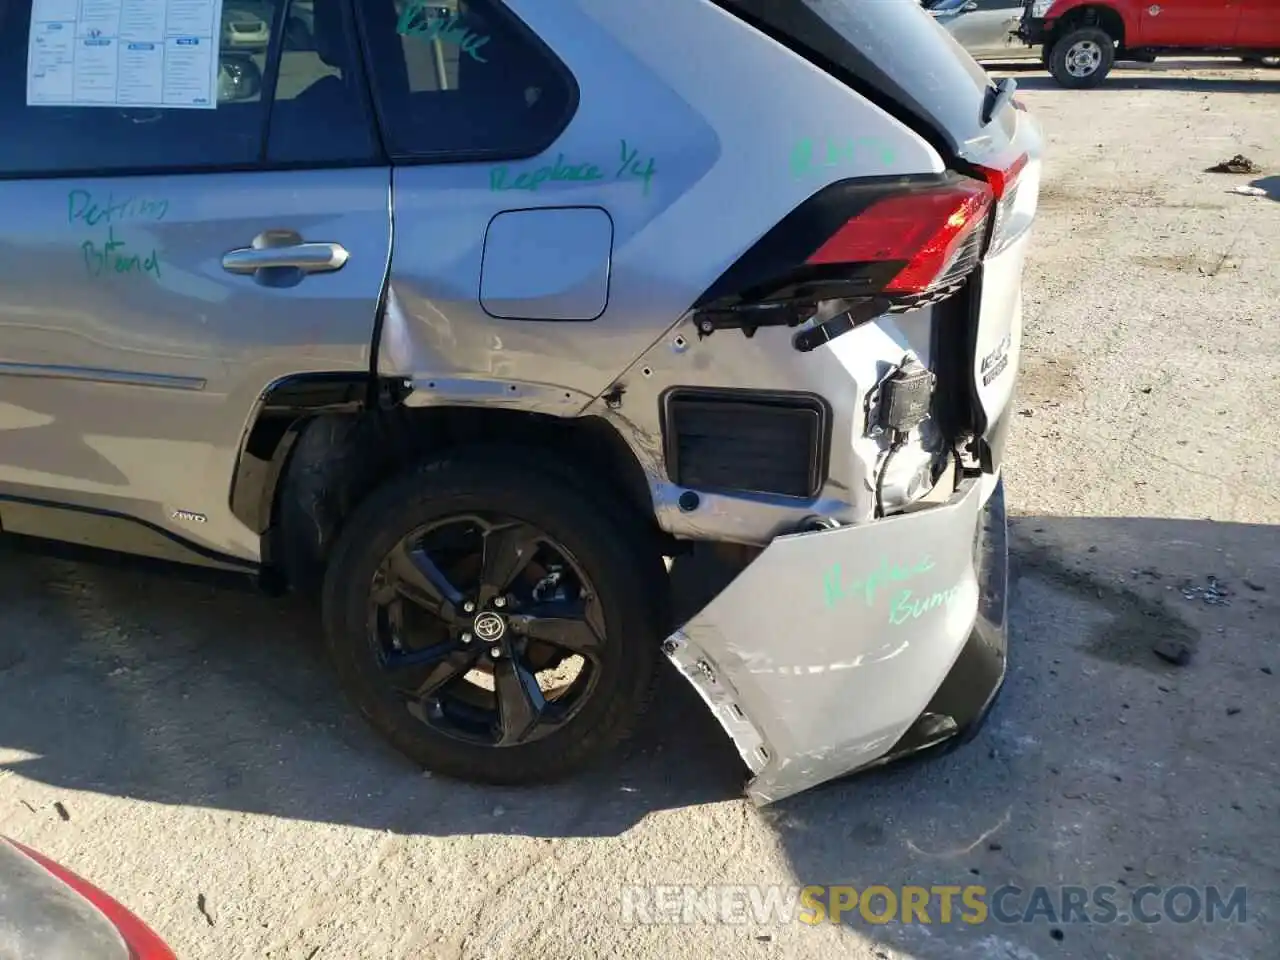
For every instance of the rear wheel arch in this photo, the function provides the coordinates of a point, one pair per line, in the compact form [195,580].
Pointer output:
[413,672]
[336,459]
[283,411]
[1104,17]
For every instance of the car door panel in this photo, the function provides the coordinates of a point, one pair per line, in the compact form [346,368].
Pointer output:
[1188,23]
[1259,25]
[131,360]
[986,31]
[133,351]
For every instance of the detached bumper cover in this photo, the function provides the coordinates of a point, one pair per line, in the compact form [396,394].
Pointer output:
[840,649]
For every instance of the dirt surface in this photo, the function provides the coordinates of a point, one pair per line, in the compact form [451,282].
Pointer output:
[186,748]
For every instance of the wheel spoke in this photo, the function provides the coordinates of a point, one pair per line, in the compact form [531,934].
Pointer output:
[421,674]
[563,625]
[394,608]
[520,700]
[507,551]
[384,592]
[414,575]
[425,664]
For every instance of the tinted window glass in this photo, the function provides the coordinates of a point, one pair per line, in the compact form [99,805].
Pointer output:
[318,88]
[321,111]
[891,46]
[463,78]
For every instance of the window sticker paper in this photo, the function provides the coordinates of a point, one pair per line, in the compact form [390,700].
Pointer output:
[124,53]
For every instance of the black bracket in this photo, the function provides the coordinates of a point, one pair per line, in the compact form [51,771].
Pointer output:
[750,317]
[839,325]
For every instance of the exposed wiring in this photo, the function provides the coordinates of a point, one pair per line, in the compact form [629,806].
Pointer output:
[897,442]
[897,438]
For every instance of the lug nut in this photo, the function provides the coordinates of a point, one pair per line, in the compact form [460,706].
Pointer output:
[499,602]
[469,607]
[466,638]
[495,652]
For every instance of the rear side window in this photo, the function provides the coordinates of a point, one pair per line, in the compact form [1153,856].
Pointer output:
[321,111]
[463,79]
[890,47]
[102,100]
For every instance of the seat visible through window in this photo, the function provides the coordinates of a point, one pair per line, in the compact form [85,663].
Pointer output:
[321,111]
[461,80]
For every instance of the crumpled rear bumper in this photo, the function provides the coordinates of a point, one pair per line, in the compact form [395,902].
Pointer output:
[840,649]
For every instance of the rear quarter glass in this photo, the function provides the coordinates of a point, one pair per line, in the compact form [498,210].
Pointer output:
[894,50]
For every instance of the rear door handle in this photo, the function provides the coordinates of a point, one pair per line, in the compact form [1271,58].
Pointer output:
[284,249]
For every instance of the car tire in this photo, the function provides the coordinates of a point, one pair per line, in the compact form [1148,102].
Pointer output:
[1082,58]
[462,728]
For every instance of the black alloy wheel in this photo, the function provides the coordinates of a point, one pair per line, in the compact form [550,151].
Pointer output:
[494,621]
[487,628]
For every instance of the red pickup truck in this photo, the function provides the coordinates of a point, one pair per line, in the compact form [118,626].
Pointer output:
[1081,39]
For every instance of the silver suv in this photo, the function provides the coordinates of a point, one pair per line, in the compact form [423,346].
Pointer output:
[470,318]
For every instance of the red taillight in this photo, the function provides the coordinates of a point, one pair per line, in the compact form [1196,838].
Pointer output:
[1004,184]
[142,942]
[923,229]
[1002,181]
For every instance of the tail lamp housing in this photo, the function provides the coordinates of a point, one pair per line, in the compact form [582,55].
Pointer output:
[857,250]
[922,233]
[141,940]
[1004,186]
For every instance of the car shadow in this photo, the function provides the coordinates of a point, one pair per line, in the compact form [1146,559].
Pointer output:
[1118,80]
[1270,184]
[178,692]
[1102,765]
[1013,66]
[163,686]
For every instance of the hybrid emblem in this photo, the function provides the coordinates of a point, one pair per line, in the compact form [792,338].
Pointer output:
[490,627]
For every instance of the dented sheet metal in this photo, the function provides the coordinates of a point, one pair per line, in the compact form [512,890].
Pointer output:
[824,651]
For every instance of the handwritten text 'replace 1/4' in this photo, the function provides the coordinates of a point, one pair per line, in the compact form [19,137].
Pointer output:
[424,22]
[631,166]
[531,180]
[560,172]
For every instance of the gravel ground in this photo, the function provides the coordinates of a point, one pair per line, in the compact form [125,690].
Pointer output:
[185,746]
